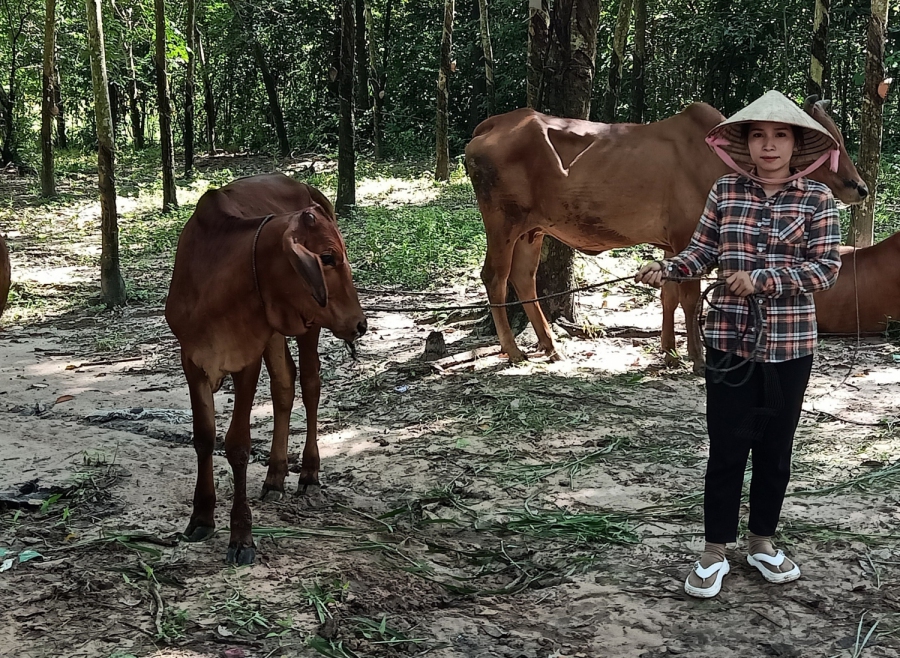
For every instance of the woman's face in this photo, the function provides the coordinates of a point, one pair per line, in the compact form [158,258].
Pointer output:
[771,147]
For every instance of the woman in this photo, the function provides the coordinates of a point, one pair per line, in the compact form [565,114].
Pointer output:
[774,235]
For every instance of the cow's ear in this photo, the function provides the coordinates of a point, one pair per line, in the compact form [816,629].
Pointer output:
[824,104]
[810,102]
[309,267]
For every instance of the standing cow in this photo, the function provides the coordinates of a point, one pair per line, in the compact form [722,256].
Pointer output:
[260,259]
[595,187]
[866,296]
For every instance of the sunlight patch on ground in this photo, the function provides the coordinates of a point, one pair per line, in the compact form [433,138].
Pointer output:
[394,192]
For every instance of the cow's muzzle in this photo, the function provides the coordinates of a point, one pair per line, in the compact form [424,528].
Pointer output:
[860,188]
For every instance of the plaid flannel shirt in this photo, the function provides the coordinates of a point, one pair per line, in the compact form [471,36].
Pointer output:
[789,244]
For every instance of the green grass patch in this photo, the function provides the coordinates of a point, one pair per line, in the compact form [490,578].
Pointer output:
[574,527]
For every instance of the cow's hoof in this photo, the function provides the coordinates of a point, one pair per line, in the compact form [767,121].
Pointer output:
[195,533]
[272,493]
[307,479]
[516,356]
[240,555]
[556,354]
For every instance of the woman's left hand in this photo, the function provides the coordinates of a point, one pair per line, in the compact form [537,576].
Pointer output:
[740,284]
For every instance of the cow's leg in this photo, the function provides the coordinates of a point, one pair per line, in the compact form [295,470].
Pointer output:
[237,449]
[282,377]
[689,293]
[310,386]
[202,523]
[669,296]
[525,261]
[495,274]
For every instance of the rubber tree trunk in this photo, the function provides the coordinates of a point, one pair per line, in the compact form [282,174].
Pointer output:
[209,101]
[638,83]
[48,175]
[568,82]
[165,111]
[112,285]
[62,140]
[379,74]
[818,61]
[538,49]
[442,138]
[134,108]
[488,56]
[617,58]
[190,35]
[362,71]
[863,215]
[346,188]
[9,150]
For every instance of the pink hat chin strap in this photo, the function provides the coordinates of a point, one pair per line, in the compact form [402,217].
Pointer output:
[716,144]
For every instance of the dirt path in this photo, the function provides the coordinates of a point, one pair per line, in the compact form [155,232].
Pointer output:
[542,510]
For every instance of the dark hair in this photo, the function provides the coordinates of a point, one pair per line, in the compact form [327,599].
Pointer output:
[798,134]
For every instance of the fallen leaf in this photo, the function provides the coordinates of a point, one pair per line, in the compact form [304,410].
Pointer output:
[24,556]
[64,398]
[71,366]
[7,564]
[223,632]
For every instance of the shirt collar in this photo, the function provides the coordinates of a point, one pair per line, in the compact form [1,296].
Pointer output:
[798,183]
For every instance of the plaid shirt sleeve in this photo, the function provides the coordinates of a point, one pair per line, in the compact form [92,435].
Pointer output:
[703,251]
[820,270]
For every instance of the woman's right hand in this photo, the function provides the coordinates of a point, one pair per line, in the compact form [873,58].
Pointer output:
[651,273]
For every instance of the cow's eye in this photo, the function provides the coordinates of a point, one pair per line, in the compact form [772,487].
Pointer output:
[327,259]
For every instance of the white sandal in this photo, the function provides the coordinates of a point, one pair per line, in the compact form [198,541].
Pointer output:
[719,569]
[761,559]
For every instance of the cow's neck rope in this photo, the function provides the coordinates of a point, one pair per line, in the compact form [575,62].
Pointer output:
[253,258]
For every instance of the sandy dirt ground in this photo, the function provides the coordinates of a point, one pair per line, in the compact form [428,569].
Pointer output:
[542,510]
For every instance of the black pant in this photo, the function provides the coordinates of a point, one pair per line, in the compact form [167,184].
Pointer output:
[759,415]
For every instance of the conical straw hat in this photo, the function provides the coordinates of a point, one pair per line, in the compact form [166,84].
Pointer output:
[775,107]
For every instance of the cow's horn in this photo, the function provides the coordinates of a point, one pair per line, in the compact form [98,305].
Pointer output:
[810,101]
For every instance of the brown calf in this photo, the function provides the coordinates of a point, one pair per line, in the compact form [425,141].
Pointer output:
[260,259]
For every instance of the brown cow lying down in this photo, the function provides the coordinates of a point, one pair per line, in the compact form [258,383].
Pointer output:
[874,272]
[4,274]
[596,186]
[260,259]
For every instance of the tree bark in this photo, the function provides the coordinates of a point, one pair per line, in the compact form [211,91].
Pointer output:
[362,72]
[538,48]
[617,58]
[10,152]
[165,111]
[442,139]
[48,175]
[379,75]
[818,61]
[190,35]
[569,80]
[640,57]
[112,286]
[284,145]
[62,140]
[488,56]
[346,188]
[134,92]
[209,101]
[871,124]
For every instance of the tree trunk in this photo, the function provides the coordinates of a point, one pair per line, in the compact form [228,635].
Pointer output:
[134,110]
[48,176]
[165,111]
[617,58]
[269,82]
[9,152]
[346,188]
[863,215]
[538,48]
[114,108]
[112,286]
[379,77]
[568,83]
[190,35]
[362,71]
[442,166]
[62,140]
[640,57]
[818,62]
[488,56]
[209,102]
